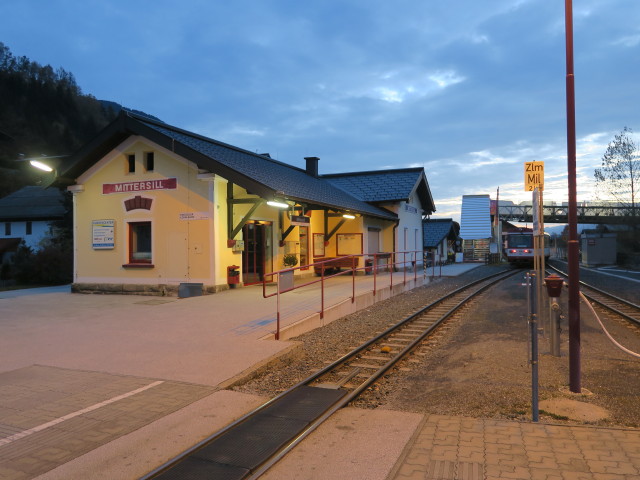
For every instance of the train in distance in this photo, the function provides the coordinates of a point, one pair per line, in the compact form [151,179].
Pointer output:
[518,246]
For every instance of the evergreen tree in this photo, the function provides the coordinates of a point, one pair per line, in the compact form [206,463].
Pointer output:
[44,112]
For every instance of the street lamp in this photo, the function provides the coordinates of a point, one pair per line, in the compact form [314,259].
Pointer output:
[40,165]
[277,204]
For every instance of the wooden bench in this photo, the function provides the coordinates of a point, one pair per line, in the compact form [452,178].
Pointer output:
[333,265]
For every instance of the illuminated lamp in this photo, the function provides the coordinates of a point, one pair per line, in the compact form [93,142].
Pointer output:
[273,203]
[40,165]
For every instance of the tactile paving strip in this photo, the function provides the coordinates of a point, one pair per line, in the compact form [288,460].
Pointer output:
[248,445]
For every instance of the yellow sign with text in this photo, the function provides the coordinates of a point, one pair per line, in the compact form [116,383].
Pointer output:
[533,176]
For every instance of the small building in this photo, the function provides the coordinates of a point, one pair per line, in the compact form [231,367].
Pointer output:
[597,248]
[28,215]
[405,192]
[475,227]
[440,238]
[157,207]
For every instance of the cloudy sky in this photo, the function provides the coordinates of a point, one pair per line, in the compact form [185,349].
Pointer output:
[468,89]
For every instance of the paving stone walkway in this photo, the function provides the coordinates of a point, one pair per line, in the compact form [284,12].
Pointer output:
[49,415]
[459,448]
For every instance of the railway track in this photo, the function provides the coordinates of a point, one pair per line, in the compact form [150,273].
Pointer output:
[251,445]
[626,309]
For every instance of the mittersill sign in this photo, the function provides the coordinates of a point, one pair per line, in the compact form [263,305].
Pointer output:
[127,187]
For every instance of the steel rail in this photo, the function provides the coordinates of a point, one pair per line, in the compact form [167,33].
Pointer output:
[350,396]
[380,372]
[608,295]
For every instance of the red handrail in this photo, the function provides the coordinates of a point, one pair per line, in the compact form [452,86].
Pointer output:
[324,264]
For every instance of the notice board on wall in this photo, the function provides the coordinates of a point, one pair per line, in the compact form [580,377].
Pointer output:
[349,244]
[318,244]
[103,234]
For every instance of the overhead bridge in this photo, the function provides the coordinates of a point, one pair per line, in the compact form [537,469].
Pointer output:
[586,214]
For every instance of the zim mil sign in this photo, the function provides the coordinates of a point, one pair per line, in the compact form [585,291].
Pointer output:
[533,176]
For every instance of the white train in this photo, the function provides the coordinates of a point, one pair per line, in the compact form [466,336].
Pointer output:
[518,246]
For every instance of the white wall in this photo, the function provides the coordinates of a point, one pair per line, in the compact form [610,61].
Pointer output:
[409,232]
[40,229]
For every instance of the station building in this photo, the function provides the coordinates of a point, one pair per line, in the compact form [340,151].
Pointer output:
[157,207]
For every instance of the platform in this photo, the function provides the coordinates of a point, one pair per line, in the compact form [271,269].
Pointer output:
[102,386]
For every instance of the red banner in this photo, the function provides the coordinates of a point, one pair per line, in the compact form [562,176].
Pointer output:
[127,187]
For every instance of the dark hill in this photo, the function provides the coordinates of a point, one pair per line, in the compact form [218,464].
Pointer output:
[43,112]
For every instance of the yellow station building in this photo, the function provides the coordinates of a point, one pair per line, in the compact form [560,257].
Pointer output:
[157,208]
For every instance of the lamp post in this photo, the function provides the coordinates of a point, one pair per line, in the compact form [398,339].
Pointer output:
[572,247]
[47,164]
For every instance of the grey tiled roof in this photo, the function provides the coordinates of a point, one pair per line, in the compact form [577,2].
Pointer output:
[435,230]
[30,203]
[378,186]
[293,182]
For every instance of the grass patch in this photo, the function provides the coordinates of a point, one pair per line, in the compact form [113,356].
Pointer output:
[553,415]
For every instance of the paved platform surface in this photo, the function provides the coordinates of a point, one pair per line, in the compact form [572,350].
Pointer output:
[384,445]
[468,448]
[85,380]
[104,387]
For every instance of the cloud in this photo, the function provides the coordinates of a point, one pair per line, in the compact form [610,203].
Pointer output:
[403,85]
[628,41]
[482,159]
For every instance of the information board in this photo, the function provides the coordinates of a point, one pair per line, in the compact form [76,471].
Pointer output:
[103,233]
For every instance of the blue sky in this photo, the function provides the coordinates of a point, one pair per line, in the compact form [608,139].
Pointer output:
[468,89]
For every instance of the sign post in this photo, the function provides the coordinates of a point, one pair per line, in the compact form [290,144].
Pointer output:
[534,182]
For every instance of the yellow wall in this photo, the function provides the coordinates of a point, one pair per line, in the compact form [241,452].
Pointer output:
[180,248]
[185,250]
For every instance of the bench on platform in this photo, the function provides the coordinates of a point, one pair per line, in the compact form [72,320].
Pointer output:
[333,265]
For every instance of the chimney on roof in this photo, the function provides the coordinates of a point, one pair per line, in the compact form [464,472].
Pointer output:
[312,166]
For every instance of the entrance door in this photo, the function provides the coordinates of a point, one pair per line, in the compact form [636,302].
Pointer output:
[254,256]
[373,240]
[304,246]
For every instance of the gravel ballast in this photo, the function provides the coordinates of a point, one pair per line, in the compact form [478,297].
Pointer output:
[478,365]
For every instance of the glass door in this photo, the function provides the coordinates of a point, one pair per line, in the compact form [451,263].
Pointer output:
[254,254]
[304,246]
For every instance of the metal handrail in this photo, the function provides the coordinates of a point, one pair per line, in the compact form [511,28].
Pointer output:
[374,268]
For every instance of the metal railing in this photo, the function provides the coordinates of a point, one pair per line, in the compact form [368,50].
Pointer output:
[373,264]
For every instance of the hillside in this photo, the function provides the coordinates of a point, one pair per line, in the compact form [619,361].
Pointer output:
[44,112]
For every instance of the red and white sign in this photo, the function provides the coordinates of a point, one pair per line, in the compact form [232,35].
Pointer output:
[127,187]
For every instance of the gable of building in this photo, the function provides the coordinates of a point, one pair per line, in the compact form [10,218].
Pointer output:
[436,230]
[257,174]
[386,186]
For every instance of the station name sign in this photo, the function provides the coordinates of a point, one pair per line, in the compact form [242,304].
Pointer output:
[300,220]
[533,176]
[127,187]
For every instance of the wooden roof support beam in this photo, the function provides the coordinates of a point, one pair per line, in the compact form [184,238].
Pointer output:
[256,202]
[335,229]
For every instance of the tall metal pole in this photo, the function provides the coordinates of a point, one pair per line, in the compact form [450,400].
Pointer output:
[572,247]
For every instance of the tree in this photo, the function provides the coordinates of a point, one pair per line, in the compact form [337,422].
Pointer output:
[619,176]
[42,112]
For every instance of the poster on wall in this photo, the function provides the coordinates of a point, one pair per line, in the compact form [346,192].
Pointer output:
[103,232]
[318,245]
[349,244]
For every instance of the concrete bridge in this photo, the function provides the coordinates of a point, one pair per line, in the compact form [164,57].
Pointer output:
[611,215]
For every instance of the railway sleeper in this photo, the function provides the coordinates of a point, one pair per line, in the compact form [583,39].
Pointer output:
[375,358]
[364,365]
